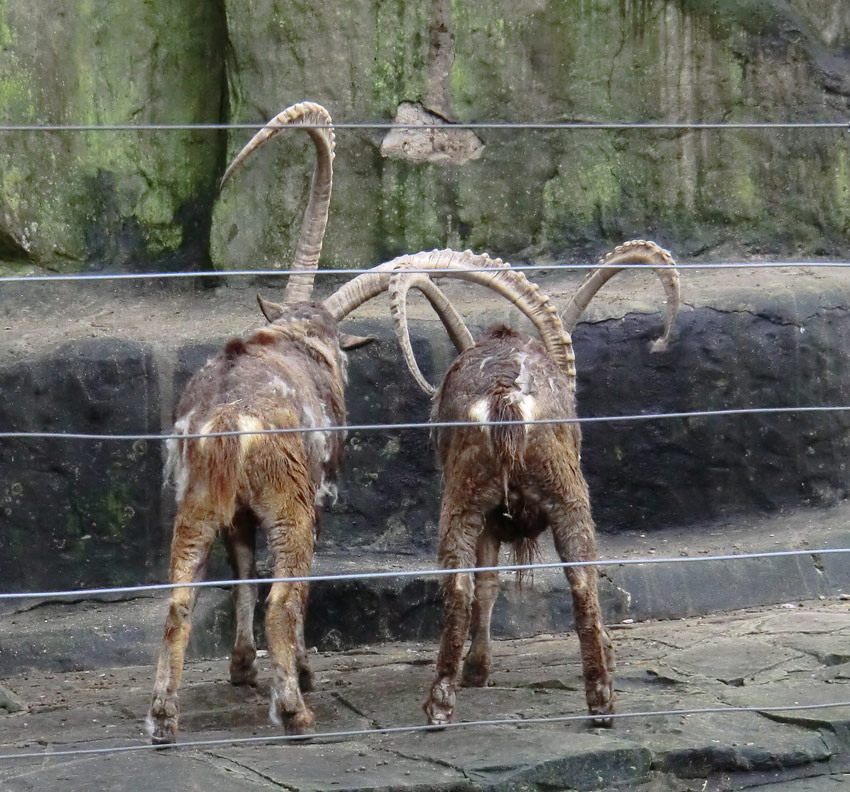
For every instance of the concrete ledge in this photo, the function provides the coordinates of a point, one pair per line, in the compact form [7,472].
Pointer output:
[343,615]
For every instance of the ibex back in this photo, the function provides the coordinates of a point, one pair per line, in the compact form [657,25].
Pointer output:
[509,483]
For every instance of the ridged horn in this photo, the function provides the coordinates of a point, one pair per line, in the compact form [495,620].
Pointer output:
[475,268]
[400,284]
[637,251]
[309,247]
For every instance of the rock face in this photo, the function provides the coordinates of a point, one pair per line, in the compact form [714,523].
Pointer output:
[125,200]
[120,200]
[431,144]
[554,189]
[74,512]
[93,512]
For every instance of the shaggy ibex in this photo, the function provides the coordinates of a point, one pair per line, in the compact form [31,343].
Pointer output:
[509,482]
[289,375]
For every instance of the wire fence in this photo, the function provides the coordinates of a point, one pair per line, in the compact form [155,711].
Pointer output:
[444,126]
[429,425]
[435,572]
[417,573]
[351,733]
[142,276]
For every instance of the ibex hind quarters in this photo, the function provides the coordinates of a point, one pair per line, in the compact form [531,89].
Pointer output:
[282,391]
[508,484]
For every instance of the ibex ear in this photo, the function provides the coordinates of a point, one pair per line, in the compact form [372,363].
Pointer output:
[348,342]
[270,310]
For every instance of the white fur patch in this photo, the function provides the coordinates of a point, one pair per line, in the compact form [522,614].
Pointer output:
[176,465]
[207,428]
[326,490]
[523,398]
[480,411]
[274,712]
[282,388]
[317,443]
[249,423]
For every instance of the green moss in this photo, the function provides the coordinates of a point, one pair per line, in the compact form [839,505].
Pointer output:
[745,194]
[109,195]
[7,38]
[410,206]
[585,188]
[399,70]
[116,507]
[16,99]
[841,188]
[155,210]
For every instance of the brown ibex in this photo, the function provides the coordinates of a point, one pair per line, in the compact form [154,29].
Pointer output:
[509,482]
[289,375]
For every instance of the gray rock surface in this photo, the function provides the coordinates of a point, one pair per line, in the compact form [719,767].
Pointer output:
[115,359]
[749,659]
[129,200]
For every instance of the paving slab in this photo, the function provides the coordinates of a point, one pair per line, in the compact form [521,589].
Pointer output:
[540,742]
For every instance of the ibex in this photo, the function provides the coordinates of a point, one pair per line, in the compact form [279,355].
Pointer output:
[289,375]
[508,482]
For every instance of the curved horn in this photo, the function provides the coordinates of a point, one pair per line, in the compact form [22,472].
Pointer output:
[476,268]
[400,284]
[638,251]
[309,247]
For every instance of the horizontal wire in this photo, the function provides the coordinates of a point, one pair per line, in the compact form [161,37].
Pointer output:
[427,424]
[274,738]
[132,276]
[408,573]
[495,125]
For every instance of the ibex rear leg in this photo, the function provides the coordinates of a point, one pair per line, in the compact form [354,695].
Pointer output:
[476,666]
[575,541]
[195,528]
[305,673]
[240,540]
[291,543]
[458,536]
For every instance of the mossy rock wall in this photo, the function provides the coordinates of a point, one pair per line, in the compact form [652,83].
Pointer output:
[127,200]
[707,191]
[108,199]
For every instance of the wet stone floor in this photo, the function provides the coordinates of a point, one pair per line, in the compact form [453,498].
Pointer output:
[84,730]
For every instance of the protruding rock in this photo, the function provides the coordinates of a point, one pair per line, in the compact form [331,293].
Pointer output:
[444,146]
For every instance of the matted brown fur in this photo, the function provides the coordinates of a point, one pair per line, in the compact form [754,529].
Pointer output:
[509,484]
[288,375]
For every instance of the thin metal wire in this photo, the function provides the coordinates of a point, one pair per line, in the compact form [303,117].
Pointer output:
[135,276]
[408,573]
[274,738]
[427,424]
[445,126]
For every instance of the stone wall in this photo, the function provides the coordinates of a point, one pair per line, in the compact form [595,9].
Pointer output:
[146,200]
[93,512]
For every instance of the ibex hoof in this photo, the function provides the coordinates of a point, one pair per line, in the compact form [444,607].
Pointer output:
[243,676]
[600,703]
[475,674]
[243,669]
[440,704]
[305,679]
[297,722]
[161,722]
